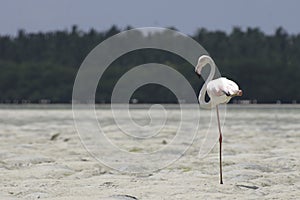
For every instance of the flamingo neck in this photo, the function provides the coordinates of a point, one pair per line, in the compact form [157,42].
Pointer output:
[206,60]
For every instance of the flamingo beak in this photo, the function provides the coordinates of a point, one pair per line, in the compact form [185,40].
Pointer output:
[239,93]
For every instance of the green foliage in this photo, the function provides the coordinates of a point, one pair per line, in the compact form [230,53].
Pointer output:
[35,66]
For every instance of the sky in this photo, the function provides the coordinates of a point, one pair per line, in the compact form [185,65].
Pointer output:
[187,16]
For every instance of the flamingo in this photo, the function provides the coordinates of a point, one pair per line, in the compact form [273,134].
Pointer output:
[219,90]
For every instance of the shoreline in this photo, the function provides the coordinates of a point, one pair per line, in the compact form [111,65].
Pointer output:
[142,106]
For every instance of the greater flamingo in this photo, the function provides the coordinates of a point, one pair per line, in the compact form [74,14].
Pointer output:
[219,90]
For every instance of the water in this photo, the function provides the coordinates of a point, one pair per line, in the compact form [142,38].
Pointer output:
[268,120]
[42,119]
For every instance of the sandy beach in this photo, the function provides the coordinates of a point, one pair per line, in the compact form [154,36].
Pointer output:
[42,157]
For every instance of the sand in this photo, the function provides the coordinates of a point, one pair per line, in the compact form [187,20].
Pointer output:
[41,157]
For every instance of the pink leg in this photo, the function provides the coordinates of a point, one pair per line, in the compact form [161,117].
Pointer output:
[220,142]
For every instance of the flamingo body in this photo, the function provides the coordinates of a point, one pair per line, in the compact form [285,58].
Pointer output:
[221,90]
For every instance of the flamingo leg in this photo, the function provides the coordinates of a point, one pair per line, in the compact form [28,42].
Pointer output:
[220,142]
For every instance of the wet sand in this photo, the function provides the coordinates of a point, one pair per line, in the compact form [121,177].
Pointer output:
[41,157]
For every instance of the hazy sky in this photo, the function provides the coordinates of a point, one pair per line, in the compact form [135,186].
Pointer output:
[187,16]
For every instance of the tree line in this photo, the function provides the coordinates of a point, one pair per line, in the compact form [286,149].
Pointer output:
[42,66]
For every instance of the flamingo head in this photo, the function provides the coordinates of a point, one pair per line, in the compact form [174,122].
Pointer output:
[230,88]
[238,93]
[202,61]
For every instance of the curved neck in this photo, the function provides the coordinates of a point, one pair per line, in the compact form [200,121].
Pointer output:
[204,60]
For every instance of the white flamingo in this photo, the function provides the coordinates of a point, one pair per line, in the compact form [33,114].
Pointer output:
[219,90]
